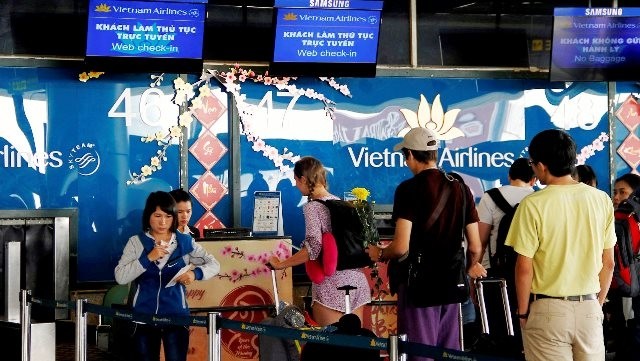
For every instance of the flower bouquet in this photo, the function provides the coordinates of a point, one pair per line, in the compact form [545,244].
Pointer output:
[364,209]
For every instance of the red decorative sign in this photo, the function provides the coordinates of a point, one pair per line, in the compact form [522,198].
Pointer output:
[208,221]
[211,110]
[239,344]
[628,113]
[629,150]
[208,190]
[208,149]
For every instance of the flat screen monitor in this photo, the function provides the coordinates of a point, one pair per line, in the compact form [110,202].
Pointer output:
[326,38]
[150,36]
[481,47]
[595,44]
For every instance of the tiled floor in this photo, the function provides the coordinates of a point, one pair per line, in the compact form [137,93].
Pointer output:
[67,352]
[65,344]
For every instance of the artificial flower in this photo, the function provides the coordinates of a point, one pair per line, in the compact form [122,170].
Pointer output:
[360,193]
[371,236]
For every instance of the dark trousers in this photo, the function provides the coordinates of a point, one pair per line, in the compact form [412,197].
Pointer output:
[634,328]
[622,336]
[147,338]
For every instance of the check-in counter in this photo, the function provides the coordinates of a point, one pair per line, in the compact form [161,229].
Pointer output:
[380,316]
[34,256]
[242,291]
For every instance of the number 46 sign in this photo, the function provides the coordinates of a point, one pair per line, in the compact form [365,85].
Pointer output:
[142,108]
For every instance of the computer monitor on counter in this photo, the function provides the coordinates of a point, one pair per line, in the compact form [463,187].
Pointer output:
[382,214]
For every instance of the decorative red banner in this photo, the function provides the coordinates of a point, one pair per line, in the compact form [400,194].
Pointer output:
[211,110]
[208,149]
[208,190]
[628,113]
[629,150]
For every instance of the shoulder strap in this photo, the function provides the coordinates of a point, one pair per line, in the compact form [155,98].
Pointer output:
[499,200]
[444,195]
[464,209]
[439,206]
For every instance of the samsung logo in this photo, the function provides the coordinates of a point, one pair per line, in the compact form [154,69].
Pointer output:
[329,3]
[603,12]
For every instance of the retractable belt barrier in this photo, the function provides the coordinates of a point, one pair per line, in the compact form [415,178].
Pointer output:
[396,345]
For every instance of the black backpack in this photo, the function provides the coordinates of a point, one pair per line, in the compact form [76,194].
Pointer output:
[503,260]
[350,233]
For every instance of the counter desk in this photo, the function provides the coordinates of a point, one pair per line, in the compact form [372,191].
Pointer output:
[242,291]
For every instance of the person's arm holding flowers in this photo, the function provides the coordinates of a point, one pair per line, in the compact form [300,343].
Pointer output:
[372,238]
[398,247]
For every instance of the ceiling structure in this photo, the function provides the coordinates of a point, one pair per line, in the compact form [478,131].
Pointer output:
[512,7]
[521,7]
[58,27]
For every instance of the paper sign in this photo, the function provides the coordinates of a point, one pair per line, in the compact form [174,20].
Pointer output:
[181,272]
[267,213]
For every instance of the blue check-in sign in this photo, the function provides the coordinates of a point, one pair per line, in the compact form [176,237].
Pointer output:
[146,29]
[327,31]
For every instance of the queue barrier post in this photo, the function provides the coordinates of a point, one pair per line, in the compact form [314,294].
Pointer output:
[25,324]
[461,325]
[399,356]
[214,337]
[393,347]
[81,331]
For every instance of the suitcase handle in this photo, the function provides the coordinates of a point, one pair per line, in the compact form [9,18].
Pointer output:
[347,299]
[483,307]
[276,297]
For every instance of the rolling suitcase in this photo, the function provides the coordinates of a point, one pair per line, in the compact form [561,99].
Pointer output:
[280,349]
[503,341]
[483,307]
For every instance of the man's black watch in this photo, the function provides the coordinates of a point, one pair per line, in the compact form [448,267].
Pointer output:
[523,316]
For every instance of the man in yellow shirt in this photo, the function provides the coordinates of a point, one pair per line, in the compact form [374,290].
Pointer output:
[564,236]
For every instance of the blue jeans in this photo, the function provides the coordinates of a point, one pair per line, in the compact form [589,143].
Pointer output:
[175,340]
[468,311]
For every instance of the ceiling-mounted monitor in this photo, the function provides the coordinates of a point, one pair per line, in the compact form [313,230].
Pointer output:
[595,44]
[145,36]
[459,47]
[326,38]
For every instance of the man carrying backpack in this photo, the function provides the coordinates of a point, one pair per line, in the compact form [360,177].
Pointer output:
[564,236]
[491,211]
[495,210]
[431,210]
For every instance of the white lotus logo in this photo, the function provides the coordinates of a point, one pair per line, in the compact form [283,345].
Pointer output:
[433,118]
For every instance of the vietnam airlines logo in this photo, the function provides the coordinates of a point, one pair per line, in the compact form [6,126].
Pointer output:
[432,117]
[291,16]
[103,8]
